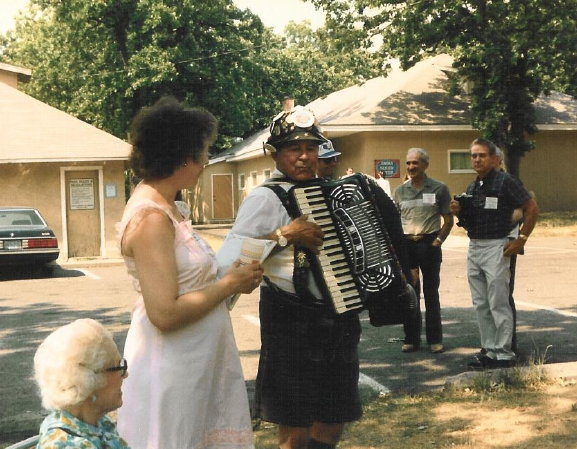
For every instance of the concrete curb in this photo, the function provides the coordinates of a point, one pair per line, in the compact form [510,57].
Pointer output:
[563,371]
[89,262]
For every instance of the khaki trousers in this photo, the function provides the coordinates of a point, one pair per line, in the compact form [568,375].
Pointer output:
[488,274]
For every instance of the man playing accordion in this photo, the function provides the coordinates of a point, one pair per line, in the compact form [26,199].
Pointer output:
[307,379]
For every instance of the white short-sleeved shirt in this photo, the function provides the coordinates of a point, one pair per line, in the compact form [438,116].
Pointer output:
[261,213]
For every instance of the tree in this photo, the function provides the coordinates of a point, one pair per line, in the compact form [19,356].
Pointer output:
[310,64]
[103,60]
[510,50]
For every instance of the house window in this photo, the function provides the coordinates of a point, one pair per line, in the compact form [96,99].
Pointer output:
[253,178]
[267,174]
[241,182]
[460,161]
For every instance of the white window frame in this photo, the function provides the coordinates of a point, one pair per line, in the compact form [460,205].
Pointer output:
[254,178]
[266,173]
[241,181]
[458,170]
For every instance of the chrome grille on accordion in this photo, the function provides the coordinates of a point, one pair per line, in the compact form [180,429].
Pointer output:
[356,258]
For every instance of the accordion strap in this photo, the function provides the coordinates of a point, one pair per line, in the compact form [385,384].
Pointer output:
[282,195]
[302,256]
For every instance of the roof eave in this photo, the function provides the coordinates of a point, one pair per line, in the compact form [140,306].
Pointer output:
[63,159]
[557,127]
[342,130]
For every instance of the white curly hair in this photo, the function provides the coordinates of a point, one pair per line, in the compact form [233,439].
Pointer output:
[68,361]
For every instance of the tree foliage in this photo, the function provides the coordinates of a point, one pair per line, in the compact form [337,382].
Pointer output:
[102,60]
[510,50]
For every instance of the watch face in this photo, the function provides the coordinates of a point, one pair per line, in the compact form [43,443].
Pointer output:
[282,241]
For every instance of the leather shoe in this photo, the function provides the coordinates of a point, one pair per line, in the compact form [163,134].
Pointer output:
[480,362]
[407,347]
[503,363]
[437,348]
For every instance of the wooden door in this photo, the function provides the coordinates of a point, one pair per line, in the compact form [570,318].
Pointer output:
[83,213]
[222,204]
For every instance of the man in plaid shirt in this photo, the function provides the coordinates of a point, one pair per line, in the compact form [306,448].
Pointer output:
[485,211]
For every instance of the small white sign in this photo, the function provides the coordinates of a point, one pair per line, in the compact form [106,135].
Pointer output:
[81,194]
[110,190]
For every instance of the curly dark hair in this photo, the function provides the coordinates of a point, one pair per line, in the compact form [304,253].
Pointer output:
[167,135]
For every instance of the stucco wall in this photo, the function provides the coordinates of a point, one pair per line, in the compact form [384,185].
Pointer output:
[113,207]
[550,170]
[33,185]
[38,185]
[541,169]
[360,151]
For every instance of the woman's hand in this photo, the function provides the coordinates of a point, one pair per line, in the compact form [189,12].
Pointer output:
[244,278]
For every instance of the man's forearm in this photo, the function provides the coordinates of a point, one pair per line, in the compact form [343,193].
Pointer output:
[530,215]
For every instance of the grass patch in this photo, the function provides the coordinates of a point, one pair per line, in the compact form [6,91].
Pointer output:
[457,418]
[556,224]
[532,376]
[549,224]
[557,219]
[504,410]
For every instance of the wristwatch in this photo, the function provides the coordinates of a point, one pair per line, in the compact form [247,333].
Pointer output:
[523,237]
[282,241]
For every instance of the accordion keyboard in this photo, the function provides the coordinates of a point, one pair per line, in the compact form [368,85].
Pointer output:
[355,256]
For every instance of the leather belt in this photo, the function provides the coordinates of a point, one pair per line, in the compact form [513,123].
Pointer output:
[419,237]
[414,237]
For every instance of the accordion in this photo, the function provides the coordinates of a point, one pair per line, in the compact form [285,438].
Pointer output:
[357,261]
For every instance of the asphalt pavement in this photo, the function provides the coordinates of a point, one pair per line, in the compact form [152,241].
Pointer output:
[34,303]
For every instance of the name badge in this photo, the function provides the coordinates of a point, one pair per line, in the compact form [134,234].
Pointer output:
[429,198]
[491,202]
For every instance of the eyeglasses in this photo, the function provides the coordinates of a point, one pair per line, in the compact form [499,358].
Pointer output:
[122,367]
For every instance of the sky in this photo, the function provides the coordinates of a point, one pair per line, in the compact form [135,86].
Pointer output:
[273,13]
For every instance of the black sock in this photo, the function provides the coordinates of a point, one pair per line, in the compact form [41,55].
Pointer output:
[315,444]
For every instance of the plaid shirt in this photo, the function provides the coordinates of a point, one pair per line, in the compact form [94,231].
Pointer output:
[494,199]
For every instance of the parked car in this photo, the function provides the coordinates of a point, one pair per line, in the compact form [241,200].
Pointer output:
[26,238]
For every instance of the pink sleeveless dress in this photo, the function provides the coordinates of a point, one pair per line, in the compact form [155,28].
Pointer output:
[185,388]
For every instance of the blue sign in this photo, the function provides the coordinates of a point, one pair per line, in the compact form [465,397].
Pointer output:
[391,167]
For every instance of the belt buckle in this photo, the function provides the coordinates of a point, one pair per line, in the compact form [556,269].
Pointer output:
[415,237]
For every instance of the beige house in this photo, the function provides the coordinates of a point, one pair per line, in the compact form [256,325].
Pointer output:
[72,172]
[374,124]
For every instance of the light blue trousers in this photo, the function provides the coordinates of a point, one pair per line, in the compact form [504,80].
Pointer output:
[488,273]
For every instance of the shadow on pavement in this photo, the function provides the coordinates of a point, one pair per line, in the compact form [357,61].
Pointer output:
[542,337]
[21,272]
[22,330]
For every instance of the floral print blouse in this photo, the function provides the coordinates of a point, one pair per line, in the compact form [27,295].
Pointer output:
[61,430]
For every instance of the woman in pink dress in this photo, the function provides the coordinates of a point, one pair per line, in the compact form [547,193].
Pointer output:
[186,389]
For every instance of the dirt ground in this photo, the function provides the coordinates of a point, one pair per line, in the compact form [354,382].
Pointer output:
[545,424]
[547,311]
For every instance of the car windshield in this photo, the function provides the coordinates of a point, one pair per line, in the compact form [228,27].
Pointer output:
[20,217]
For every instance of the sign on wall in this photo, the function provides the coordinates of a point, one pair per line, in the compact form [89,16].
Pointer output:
[391,167]
[110,190]
[81,194]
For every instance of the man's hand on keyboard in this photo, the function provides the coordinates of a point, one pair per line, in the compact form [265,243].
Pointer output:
[302,232]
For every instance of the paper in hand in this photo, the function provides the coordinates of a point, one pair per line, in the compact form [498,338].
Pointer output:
[247,250]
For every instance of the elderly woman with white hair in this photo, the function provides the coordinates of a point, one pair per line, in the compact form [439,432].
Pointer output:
[80,371]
